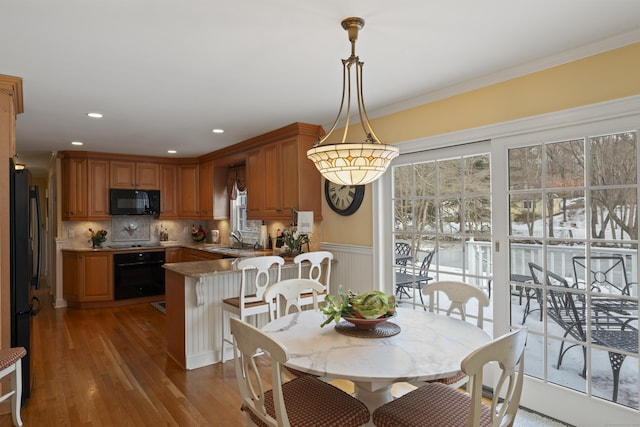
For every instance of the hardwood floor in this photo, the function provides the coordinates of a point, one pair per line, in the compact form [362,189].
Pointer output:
[108,367]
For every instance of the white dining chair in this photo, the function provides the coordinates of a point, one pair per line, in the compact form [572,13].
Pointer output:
[250,302]
[288,294]
[11,365]
[303,401]
[438,405]
[319,270]
[459,295]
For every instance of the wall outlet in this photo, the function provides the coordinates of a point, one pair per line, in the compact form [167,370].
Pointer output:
[72,233]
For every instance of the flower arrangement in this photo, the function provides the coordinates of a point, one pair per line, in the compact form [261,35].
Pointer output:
[370,305]
[198,234]
[294,240]
[98,237]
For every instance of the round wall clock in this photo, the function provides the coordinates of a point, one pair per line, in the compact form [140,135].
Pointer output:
[343,199]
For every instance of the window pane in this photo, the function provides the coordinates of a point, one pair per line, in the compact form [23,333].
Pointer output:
[525,211]
[525,168]
[425,179]
[613,159]
[565,164]
[614,214]
[402,181]
[449,177]
[477,174]
[477,215]
[450,216]
[565,214]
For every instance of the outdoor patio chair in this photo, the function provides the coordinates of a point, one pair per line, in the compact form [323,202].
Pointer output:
[606,274]
[436,404]
[303,401]
[406,280]
[565,308]
[402,255]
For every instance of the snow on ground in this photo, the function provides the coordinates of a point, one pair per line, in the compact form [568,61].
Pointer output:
[569,374]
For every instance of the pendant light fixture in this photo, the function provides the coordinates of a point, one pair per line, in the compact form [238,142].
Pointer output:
[352,163]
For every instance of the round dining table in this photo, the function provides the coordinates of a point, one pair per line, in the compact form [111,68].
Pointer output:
[429,346]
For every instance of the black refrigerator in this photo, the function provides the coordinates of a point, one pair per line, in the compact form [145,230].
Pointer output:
[25,265]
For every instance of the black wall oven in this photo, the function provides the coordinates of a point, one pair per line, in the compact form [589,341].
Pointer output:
[138,274]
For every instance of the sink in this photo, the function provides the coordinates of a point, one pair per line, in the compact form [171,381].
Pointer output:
[224,249]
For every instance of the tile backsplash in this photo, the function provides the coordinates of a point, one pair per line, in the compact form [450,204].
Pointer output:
[134,229]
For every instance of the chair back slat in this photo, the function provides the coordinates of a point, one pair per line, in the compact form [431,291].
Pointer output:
[508,352]
[263,277]
[315,260]
[459,294]
[247,341]
[290,291]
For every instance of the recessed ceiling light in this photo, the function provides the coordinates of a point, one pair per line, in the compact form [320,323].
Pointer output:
[218,131]
[77,143]
[171,151]
[95,115]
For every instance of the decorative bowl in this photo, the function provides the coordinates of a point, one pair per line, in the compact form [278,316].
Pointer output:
[198,237]
[361,323]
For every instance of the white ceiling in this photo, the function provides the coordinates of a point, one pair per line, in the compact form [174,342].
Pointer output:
[165,73]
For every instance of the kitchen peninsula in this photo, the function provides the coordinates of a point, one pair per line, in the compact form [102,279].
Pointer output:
[194,292]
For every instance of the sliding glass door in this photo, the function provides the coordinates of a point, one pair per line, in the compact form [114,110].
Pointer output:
[543,214]
[442,221]
[573,246]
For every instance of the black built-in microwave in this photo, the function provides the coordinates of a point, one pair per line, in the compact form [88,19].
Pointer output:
[134,202]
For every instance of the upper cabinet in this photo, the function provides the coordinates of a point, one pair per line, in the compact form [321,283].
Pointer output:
[280,177]
[74,188]
[187,193]
[205,180]
[168,186]
[135,175]
[85,187]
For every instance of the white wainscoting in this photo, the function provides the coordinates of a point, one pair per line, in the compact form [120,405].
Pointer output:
[353,267]
[203,314]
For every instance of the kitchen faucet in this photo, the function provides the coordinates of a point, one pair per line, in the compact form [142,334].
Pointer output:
[237,235]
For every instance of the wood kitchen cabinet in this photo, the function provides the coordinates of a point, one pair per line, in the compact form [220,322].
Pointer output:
[98,189]
[87,276]
[280,177]
[74,188]
[135,175]
[85,188]
[187,193]
[173,255]
[189,254]
[168,191]
[205,181]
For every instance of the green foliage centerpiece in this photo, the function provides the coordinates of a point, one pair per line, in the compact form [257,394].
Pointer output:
[98,237]
[375,306]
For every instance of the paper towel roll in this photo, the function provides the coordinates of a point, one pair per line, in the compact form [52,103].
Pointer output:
[263,236]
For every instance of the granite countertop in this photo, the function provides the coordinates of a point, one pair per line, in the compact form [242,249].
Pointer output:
[218,266]
[206,247]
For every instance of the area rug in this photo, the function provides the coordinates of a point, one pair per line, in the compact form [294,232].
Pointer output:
[526,418]
[161,306]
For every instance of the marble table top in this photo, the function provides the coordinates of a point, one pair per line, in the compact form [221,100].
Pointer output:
[429,346]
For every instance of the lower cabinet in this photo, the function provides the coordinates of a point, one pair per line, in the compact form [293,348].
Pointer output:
[87,276]
[189,254]
[173,255]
